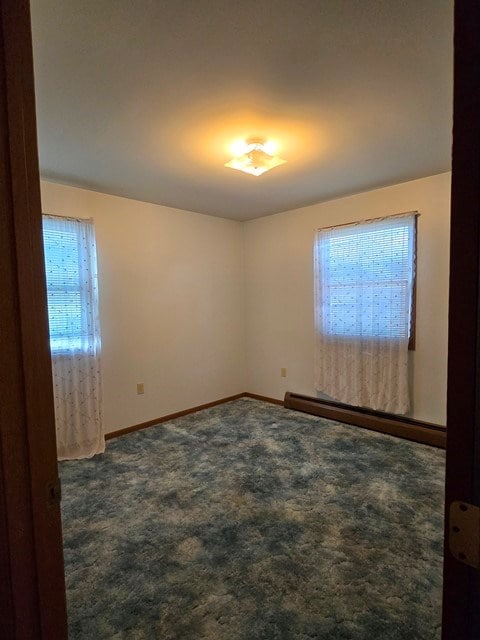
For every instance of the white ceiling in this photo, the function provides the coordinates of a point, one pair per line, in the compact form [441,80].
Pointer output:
[143,99]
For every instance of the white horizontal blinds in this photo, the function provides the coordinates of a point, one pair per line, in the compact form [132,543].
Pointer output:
[70,261]
[366,273]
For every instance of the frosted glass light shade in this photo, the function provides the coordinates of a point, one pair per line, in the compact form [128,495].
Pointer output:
[255,160]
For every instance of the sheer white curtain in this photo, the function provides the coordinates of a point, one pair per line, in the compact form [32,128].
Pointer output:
[71,269]
[364,275]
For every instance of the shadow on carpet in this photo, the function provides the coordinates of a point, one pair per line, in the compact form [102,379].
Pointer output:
[250,521]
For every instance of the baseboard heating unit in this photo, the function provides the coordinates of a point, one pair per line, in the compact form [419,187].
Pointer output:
[400,426]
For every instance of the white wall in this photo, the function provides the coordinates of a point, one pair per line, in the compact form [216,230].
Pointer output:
[171,303]
[279,290]
[200,308]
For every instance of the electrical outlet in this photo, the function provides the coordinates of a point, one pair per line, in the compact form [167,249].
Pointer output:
[140,388]
[283,372]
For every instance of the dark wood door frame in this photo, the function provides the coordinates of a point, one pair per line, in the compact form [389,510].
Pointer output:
[32,603]
[461,583]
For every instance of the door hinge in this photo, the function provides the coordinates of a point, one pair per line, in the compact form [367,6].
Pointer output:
[54,492]
[464,533]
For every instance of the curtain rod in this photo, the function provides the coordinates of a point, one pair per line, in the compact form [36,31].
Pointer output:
[51,215]
[352,224]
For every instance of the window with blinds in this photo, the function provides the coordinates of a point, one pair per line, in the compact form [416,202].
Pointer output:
[365,278]
[70,265]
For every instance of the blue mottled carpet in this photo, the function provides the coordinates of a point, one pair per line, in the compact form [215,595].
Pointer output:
[249,521]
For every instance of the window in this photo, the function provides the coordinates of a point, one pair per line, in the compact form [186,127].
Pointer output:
[70,262]
[364,293]
[365,279]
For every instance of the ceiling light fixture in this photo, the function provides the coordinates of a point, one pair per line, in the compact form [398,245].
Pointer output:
[254,157]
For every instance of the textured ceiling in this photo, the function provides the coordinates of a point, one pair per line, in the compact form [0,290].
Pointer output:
[143,99]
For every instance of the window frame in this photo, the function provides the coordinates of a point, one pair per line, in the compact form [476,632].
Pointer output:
[413,301]
[77,343]
[412,339]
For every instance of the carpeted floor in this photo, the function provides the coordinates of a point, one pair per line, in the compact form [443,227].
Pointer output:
[249,521]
